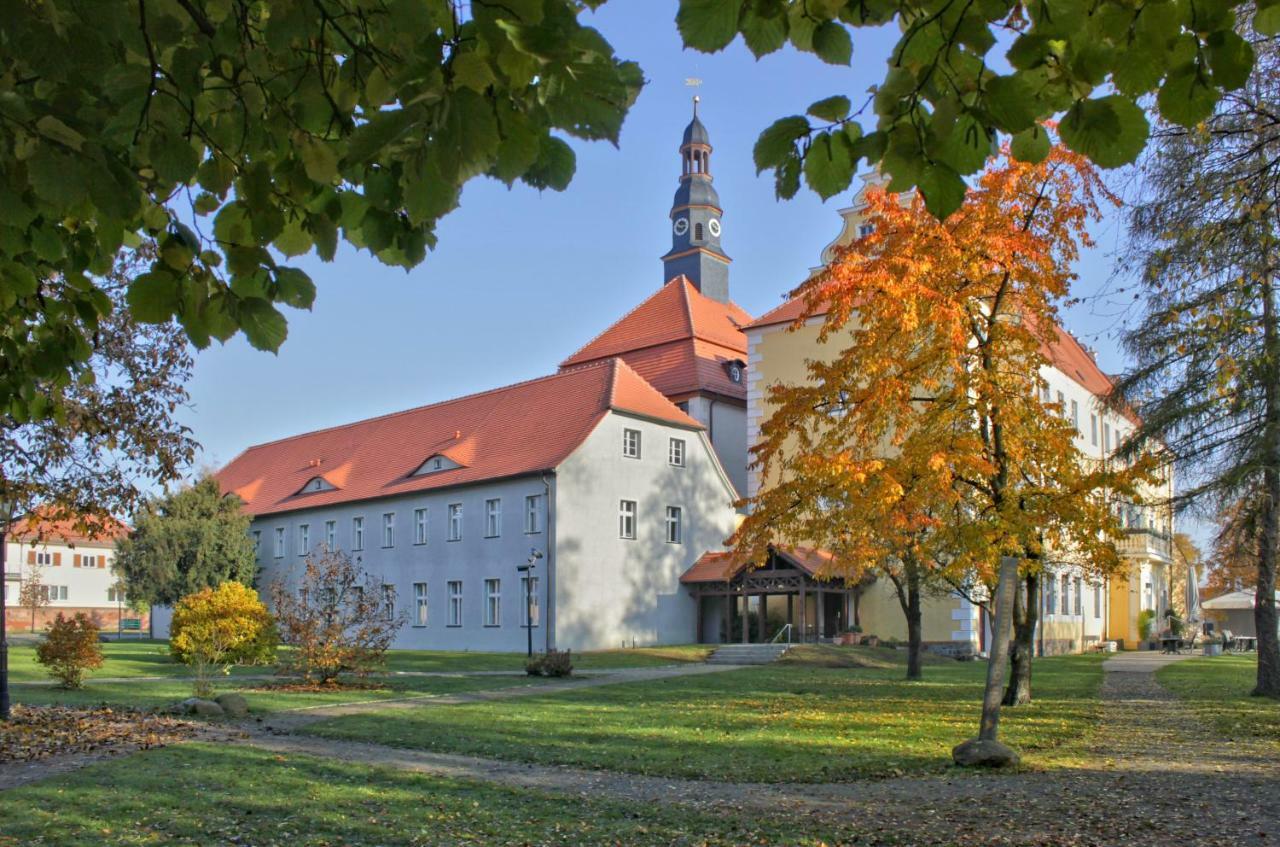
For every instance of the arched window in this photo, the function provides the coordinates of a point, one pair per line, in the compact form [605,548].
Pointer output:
[697,232]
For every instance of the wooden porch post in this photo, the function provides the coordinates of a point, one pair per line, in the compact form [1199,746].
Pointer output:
[746,617]
[803,606]
[697,618]
[764,616]
[822,614]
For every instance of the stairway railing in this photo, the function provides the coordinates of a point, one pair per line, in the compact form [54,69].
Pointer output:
[786,630]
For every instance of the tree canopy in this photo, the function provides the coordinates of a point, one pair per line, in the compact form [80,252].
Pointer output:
[184,541]
[942,106]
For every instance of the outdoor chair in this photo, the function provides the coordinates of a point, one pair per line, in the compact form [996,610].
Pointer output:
[1189,644]
[1228,641]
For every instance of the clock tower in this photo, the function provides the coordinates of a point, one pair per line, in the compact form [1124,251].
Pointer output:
[695,219]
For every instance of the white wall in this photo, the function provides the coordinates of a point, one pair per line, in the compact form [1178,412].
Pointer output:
[611,590]
[85,587]
[726,423]
[472,560]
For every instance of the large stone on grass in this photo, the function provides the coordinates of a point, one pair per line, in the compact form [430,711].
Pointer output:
[981,753]
[233,704]
[200,708]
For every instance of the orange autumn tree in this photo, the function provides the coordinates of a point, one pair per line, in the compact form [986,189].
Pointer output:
[920,435]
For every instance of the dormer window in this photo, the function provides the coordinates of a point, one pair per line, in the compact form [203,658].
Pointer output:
[317,483]
[435,464]
[734,368]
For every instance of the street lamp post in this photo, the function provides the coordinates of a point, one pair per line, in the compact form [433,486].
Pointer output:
[527,570]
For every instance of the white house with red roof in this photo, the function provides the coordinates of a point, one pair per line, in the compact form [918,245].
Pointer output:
[595,469]
[73,562]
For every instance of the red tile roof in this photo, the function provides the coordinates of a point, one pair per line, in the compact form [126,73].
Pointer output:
[678,340]
[724,566]
[524,428]
[1065,352]
[42,525]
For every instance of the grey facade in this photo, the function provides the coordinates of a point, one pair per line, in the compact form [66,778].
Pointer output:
[605,590]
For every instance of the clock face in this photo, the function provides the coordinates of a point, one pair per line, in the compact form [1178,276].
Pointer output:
[681,226]
[714,226]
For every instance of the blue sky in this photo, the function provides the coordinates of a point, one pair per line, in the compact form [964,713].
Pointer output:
[521,279]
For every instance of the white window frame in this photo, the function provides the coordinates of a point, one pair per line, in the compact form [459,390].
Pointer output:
[420,526]
[1093,429]
[257,543]
[676,452]
[89,560]
[420,610]
[454,588]
[532,516]
[1097,600]
[1079,598]
[1066,594]
[675,525]
[357,533]
[388,530]
[1075,415]
[528,603]
[279,550]
[493,602]
[455,522]
[389,601]
[627,519]
[493,517]
[304,538]
[1106,437]
[331,535]
[45,558]
[631,443]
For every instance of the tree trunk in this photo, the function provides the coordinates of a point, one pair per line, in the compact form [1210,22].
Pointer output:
[1026,614]
[907,587]
[997,664]
[1264,610]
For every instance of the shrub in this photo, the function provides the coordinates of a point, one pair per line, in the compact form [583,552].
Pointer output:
[550,663]
[339,620]
[215,628]
[1145,619]
[70,648]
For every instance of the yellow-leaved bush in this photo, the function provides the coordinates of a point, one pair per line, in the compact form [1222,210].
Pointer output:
[216,628]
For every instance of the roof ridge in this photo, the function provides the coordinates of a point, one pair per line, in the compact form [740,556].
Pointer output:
[411,410]
[688,306]
[637,307]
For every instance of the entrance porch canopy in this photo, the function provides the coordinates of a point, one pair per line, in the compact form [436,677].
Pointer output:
[792,572]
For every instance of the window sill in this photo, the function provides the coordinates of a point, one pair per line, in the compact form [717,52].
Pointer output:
[418,626]
[452,540]
[419,544]
[493,626]
[533,532]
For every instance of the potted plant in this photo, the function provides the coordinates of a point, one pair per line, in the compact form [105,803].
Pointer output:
[850,637]
[871,641]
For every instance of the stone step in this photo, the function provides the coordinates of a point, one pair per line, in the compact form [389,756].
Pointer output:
[747,654]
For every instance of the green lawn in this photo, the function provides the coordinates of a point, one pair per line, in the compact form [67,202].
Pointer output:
[199,794]
[784,722]
[151,658]
[1218,689]
[261,695]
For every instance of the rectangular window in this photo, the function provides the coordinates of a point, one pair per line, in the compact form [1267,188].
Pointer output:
[627,519]
[455,521]
[455,602]
[1075,415]
[532,513]
[46,558]
[57,592]
[675,453]
[1045,394]
[529,601]
[279,542]
[419,526]
[389,529]
[1062,404]
[1097,601]
[115,595]
[673,524]
[1106,437]
[304,539]
[89,561]
[492,602]
[631,443]
[420,604]
[492,518]
[1066,594]
[357,533]
[331,535]
[1051,594]
[389,601]
[1079,606]
[257,542]
[1093,430]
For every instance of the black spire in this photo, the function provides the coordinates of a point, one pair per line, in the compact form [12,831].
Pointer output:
[695,219]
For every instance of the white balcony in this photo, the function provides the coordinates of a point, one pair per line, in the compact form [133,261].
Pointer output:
[1142,543]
